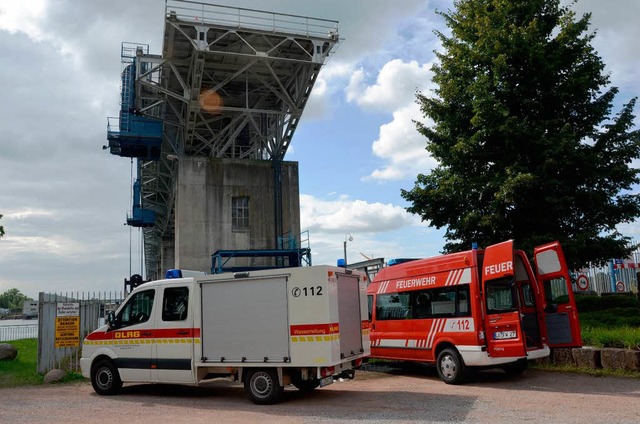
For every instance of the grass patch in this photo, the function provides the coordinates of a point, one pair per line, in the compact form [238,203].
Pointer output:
[610,321]
[620,337]
[22,370]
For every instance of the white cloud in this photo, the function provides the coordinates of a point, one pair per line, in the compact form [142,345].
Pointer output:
[26,214]
[56,246]
[346,215]
[617,37]
[356,86]
[330,80]
[399,144]
[402,147]
[395,87]
[378,230]
[24,17]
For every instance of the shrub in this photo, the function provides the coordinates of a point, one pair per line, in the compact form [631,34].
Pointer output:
[602,303]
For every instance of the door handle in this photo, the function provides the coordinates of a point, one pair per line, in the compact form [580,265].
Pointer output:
[147,333]
[183,333]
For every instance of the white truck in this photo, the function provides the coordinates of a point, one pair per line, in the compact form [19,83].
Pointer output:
[266,329]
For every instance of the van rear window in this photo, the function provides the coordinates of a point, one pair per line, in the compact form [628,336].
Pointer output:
[501,296]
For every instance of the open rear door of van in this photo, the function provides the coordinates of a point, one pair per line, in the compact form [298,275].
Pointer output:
[559,303]
[502,315]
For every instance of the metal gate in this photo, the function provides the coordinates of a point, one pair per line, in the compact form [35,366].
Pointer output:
[92,309]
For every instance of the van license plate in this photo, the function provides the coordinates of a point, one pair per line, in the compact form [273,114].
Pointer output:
[326,381]
[503,335]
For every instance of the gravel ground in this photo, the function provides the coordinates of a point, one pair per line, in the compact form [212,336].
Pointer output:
[397,395]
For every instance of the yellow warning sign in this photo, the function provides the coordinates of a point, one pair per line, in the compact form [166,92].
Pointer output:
[68,325]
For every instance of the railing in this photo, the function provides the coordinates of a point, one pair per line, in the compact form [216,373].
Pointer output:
[17,332]
[204,13]
[113,125]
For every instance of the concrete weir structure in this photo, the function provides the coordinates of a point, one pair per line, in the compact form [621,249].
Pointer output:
[213,184]
[229,89]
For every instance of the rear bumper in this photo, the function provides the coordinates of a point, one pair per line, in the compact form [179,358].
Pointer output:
[539,353]
[475,356]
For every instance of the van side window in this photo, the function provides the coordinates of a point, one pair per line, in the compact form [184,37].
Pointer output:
[392,306]
[423,304]
[450,302]
[137,309]
[463,309]
[370,306]
[175,304]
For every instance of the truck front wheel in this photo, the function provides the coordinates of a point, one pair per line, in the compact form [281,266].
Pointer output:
[263,387]
[105,378]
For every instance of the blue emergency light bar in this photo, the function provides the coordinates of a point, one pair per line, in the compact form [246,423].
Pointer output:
[398,261]
[173,273]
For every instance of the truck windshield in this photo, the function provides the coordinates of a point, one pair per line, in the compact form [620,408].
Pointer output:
[501,296]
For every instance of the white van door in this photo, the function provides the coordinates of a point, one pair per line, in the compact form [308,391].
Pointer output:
[174,335]
[131,336]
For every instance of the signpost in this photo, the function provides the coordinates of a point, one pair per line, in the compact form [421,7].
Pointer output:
[68,324]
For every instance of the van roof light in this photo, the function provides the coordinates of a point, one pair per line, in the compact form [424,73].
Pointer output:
[173,273]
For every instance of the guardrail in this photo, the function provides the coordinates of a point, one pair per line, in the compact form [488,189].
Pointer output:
[17,332]
[205,13]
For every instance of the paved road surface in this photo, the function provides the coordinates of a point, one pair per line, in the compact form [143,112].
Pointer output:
[413,395]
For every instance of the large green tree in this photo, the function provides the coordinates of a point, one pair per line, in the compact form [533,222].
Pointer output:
[524,134]
[12,299]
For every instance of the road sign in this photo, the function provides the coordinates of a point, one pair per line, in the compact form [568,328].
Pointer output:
[582,282]
[620,286]
[67,324]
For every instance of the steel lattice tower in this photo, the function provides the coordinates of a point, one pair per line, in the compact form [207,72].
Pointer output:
[230,83]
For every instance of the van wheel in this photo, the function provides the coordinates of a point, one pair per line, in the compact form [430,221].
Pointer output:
[105,378]
[263,387]
[516,368]
[451,369]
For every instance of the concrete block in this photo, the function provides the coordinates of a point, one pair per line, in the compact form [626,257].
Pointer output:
[586,357]
[613,358]
[562,356]
[633,360]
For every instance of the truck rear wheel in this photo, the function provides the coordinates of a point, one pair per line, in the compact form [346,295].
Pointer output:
[451,369]
[105,378]
[263,387]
